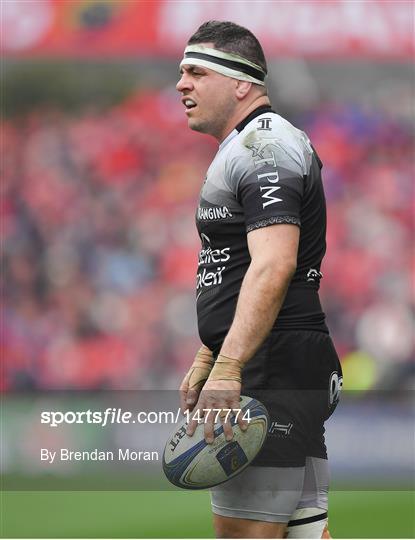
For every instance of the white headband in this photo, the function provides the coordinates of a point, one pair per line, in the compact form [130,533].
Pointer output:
[228,64]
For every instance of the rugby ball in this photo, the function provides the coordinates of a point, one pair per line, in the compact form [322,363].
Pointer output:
[191,463]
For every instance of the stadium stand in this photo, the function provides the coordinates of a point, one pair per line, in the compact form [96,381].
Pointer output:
[100,248]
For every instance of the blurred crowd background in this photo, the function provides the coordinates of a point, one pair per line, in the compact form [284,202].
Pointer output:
[100,183]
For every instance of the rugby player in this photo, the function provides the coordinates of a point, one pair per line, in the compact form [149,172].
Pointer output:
[262,223]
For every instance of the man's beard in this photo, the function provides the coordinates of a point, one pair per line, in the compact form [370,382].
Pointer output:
[216,126]
[206,127]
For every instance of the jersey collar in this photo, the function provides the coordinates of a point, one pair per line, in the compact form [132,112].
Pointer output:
[258,111]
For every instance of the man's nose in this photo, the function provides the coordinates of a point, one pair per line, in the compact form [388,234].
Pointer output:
[184,83]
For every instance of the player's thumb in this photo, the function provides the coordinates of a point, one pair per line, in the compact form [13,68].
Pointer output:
[198,377]
[192,396]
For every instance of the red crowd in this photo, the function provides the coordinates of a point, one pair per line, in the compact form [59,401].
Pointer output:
[100,247]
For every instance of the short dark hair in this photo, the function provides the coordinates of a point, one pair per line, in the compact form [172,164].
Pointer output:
[230,37]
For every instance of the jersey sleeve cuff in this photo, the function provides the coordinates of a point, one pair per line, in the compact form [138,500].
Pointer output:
[291,220]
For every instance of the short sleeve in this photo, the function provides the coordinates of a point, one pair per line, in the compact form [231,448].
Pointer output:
[269,186]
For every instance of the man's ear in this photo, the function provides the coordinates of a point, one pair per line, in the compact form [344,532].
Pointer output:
[242,88]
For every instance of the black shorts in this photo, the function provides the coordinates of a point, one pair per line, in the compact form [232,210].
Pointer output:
[298,377]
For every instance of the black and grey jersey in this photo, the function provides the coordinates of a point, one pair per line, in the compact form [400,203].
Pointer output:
[264,173]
